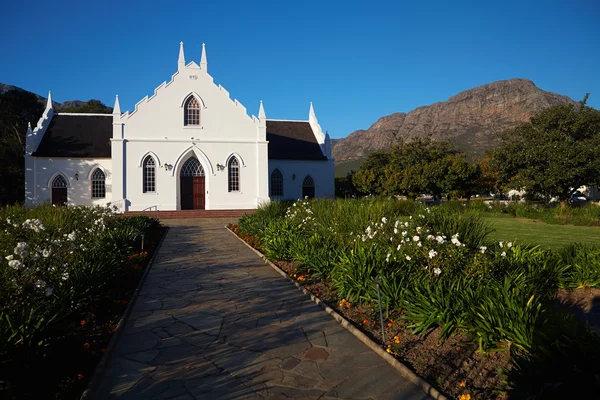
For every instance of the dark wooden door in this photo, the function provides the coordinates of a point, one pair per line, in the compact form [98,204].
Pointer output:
[192,192]
[59,196]
[198,192]
[187,193]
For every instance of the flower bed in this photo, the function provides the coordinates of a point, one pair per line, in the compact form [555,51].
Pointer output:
[470,316]
[67,275]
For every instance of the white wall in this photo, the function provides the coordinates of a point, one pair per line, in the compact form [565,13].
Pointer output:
[79,191]
[294,172]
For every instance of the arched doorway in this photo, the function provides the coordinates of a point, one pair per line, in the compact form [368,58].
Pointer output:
[308,187]
[191,185]
[59,191]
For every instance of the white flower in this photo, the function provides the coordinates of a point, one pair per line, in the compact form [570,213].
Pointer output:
[15,264]
[503,254]
[36,256]
[416,238]
[440,239]
[430,237]
[398,248]
[419,244]
[437,271]
[46,253]
[419,229]
[482,249]
[509,245]
[455,236]
[384,220]
[10,257]
[395,231]
[432,253]
[40,284]
[408,258]
[65,276]
[404,233]
[501,244]
[49,292]
[71,236]
[455,241]
[387,258]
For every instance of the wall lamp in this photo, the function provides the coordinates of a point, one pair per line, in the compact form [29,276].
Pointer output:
[220,167]
[293,177]
[76,176]
[167,166]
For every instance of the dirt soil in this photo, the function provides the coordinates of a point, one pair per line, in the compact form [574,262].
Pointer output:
[584,303]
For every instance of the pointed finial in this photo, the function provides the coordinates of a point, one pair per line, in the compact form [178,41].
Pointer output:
[181,60]
[203,62]
[29,127]
[261,112]
[311,111]
[49,103]
[117,107]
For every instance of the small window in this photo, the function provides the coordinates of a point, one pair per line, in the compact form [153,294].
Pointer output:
[59,182]
[149,175]
[276,183]
[308,187]
[234,175]
[98,184]
[192,111]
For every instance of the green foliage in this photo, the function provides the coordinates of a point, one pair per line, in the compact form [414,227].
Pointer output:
[353,278]
[554,154]
[17,109]
[90,106]
[418,167]
[582,265]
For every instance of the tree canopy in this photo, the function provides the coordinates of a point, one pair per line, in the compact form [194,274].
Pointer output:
[553,154]
[90,106]
[418,167]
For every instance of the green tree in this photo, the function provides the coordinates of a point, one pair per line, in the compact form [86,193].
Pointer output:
[370,178]
[17,108]
[90,106]
[553,154]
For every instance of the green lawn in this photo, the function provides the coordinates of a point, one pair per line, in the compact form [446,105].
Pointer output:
[546,235]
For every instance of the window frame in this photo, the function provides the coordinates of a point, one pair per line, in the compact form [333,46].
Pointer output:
[279,176]
[98,184]
[191,112]
[233,175]
[147,186]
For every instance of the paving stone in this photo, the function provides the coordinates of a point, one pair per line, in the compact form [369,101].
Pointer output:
[315,354]
[213,321]
[290,363]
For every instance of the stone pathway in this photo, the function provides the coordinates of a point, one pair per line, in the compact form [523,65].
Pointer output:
[212,321]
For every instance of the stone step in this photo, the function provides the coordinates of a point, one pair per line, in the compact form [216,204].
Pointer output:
[186,214]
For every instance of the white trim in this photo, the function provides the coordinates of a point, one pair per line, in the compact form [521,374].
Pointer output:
[202,157]
[93,168]
[190,140]
[59,172]
[153,155]
[197,96]
[236,155]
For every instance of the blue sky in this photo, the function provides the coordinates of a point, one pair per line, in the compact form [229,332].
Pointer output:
[355,60]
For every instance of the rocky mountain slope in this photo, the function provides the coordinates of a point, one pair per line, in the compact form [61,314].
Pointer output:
[58,106]
[471,120]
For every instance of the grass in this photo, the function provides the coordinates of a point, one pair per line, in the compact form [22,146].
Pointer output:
[549,236]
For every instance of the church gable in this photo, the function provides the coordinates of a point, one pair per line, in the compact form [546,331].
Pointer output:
[168,112]
[293,140]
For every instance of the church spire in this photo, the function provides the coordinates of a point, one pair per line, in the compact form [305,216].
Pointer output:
[203,62]
[311,112]
[117,107]
[261,112]
[49,103]
[181,61]
[29,128]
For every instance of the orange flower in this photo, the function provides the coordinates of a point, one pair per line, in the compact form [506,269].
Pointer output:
[462,384]
[82,322]
[93,352]
[365,321]
[465,396]
[113,327]
[79,376]
[389,324]
[396,339]
[86,346]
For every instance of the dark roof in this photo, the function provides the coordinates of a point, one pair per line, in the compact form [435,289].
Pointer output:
[292,140]
[77,136]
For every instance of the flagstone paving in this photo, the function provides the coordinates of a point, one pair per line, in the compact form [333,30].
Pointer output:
[212,321]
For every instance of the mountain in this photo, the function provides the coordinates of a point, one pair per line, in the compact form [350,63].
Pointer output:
[471,120]
[69,105]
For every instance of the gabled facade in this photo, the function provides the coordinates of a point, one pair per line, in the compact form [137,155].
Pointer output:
[188,146]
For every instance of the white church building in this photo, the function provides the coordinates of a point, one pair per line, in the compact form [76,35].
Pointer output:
[188,146]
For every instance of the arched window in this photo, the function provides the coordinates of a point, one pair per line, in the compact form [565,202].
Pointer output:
[192,111]
[276,183]
[192,167]
[149,173]
[308,187]
[59,190]
[98,184]
[234,175]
